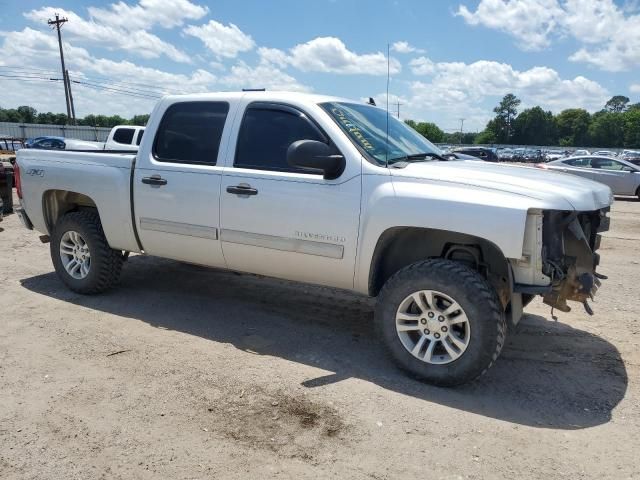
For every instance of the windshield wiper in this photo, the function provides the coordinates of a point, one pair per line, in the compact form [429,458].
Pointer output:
[416,157]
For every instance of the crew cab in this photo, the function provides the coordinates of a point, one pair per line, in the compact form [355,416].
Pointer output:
[331,192]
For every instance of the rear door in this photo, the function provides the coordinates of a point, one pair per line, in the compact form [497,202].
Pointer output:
[177,183]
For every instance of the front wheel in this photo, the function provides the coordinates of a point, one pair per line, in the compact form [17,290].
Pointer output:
[81,255]
[441,321]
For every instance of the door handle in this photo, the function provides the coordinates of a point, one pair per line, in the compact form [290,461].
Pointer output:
[156,180]
[242,190]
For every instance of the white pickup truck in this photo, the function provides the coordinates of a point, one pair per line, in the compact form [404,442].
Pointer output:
[331,192]
[124,137]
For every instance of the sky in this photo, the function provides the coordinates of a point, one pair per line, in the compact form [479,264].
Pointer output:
[449,60]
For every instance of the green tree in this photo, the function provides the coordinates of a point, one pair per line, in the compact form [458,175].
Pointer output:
[140,119]
[486,137]
[607,130]
[617,103]
[27,114]
[631,119]
[428,130]
[573,127]
[534,126]
[502,125]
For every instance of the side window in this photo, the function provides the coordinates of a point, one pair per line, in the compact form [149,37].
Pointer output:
[139,139]
[266,133]
[579,162]
[124,135]
[607,164]
[190,132]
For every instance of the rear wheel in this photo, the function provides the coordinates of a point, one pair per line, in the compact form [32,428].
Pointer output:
[441,321]
[81,255]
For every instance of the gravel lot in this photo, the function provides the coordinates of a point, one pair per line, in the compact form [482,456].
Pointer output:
[189,373]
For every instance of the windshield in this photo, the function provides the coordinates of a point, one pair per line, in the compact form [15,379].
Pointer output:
[366,125]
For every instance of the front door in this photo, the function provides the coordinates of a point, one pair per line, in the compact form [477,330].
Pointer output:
[281,221]
[177,184]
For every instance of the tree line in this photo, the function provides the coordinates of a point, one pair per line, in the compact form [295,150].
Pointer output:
[26,114]
[617,125]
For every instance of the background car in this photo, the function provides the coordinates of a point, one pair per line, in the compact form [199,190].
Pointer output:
[505,154]
[460,156]
[551,155]
[482,153]
[631,156]
[46,143]
[621,176]
[604,153]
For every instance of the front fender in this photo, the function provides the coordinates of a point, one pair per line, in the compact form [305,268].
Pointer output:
[495,216]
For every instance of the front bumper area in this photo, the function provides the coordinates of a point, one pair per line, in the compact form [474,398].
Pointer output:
[570,258]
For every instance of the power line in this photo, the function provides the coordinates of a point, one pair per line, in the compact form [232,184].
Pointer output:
[57,24]
[130,93]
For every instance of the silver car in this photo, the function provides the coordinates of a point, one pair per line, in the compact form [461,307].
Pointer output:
[623,177]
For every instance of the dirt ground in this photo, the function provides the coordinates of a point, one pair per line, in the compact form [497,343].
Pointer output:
[189,373]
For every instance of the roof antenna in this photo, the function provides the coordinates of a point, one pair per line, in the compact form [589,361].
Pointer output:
[371,101]
[386,155]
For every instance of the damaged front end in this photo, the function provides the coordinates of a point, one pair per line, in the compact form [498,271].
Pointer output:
[569,244]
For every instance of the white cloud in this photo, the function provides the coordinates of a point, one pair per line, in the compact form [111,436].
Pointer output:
[457,89]
[422,66]
[273,56]
[610,34]
[97,32]
[261,76]
[529,21]
[634,88]
[405,47]
[39,50]
[148,13]
[330,55]
[224,41]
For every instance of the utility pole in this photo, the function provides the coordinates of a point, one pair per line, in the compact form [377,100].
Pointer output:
[57,24]
[73,109]
[461,125]
[398,104]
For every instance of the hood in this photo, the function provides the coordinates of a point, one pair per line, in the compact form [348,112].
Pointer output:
[553,190]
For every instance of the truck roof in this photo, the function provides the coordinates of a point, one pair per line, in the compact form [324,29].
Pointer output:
[269,95]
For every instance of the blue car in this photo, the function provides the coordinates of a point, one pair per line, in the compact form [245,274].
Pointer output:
[46,143]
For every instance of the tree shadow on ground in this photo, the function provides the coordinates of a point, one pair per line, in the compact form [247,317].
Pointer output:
[550,375]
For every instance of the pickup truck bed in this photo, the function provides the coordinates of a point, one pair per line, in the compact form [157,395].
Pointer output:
[105,185]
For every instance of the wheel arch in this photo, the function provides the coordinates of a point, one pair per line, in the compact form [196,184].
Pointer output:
[56,203]
[398,247]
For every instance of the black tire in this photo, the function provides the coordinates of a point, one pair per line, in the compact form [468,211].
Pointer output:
[478,300]
[106,263]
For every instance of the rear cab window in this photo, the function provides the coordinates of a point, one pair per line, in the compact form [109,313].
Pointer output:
[190,132]
[139,138]
[124,135]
